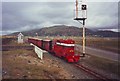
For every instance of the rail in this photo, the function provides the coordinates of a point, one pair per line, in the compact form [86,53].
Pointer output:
[93,73]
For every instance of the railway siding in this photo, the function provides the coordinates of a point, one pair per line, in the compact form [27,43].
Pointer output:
[13,47]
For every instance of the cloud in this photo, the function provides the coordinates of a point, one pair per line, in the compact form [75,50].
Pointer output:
[0,17]
[58,0]
[21,16]
[104,14]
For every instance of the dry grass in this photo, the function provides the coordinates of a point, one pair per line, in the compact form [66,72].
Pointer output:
[13,41]
[110,44]
[25,64]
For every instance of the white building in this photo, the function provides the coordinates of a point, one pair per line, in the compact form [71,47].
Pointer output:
[20,37]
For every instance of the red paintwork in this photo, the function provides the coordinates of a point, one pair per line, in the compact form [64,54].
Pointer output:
[61,48]
[37,42]
[66,52]
[46,45]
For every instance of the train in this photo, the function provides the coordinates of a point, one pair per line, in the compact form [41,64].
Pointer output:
[63,48]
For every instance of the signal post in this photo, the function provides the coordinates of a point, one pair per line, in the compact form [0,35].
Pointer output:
[81,16]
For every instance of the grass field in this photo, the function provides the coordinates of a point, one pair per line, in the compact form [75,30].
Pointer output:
[110,44]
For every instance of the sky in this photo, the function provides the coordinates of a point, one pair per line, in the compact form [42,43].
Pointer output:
[22,16]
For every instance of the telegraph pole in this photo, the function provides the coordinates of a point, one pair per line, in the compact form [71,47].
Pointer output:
[37,35]
[82,17]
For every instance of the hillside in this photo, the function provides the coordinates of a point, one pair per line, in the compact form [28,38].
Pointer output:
[62,30]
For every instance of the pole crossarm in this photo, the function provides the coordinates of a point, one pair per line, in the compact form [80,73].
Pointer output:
[81,19]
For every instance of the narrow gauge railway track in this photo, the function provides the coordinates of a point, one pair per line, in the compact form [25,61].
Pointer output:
[93,73]
[14,47]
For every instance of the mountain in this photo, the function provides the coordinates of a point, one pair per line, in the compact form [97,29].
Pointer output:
[108,33]
[63,30]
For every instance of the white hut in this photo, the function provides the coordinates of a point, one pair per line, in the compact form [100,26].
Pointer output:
[20,37]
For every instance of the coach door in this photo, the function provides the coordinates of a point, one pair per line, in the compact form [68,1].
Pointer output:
[42,44]
[50,45]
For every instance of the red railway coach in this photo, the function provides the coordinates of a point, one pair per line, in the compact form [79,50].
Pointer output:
[36,41]
[39,43]
[31,40]
[61,48]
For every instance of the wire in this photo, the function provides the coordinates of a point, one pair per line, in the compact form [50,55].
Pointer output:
[80,22]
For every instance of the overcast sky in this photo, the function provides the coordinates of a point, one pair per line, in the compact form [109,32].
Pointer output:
[21,16]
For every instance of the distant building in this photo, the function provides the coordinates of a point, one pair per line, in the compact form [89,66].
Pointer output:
[20,37]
